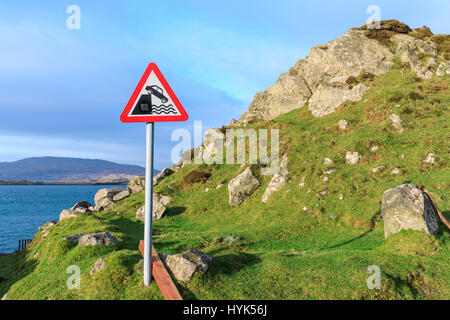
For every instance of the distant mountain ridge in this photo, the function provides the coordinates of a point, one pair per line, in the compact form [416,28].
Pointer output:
[63,169]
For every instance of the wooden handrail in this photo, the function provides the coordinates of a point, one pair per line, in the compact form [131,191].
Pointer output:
[161,275]
[434,205]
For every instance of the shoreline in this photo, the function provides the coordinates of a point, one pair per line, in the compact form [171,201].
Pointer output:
[15,183]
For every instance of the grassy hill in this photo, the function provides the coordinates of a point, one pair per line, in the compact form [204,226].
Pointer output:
[284,252]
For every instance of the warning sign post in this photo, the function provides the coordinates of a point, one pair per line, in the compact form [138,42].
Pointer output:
[152,101]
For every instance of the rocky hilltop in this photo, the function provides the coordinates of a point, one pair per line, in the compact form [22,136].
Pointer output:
[330,74]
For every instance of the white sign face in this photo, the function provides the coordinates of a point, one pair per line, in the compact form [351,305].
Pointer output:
[153,100]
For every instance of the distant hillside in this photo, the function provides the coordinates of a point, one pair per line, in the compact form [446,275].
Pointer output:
[56,169]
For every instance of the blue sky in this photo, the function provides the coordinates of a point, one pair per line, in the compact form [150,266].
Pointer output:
[62,91]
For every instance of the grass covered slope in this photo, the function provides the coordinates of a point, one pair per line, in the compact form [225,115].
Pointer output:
[284,252]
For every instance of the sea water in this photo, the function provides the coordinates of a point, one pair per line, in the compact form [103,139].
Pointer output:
[24,208]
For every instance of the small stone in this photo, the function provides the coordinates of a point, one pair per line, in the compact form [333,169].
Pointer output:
[302,184]
[430,158]
[344,124]
[5,297]
[219,186]
[324,193]
[99,265]
[207,189]
[397,122]
[374,148]
[327,161]
[331,171]
[36,255]
[325,179]
[352,157]
[441,70]
[305,209]
[395,171]
[140,267]
[341,196]
[378,169]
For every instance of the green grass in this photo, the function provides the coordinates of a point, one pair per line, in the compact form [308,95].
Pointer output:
[284,252]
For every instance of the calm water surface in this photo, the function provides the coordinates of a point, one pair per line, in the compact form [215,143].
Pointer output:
[24,208]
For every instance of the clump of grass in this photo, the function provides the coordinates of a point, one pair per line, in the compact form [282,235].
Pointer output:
[421,33]
[413,95]
[408,242]
[196,176]
[442,44]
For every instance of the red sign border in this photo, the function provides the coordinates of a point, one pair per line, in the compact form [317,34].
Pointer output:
[183,116]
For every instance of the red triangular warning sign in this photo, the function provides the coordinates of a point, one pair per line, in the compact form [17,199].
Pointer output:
[153,100]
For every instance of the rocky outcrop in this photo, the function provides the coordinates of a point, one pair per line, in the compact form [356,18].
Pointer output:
[412,50]
[99,265]
[94,239]
[278,180]
[241,187]
[160,203]
[184,266]
[104,198]
[326,99]
[68,214]
[321,78]
[407,208]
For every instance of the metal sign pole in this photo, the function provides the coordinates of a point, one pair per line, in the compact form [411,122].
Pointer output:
[148,204]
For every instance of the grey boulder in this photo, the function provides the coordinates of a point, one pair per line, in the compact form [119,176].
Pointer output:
[68,214]
[242,186]
[159,207]
[121,195]
[104,197]
[94,239]
[83,206]
[407,208]
[137,184]
[278,180]
[184,266]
